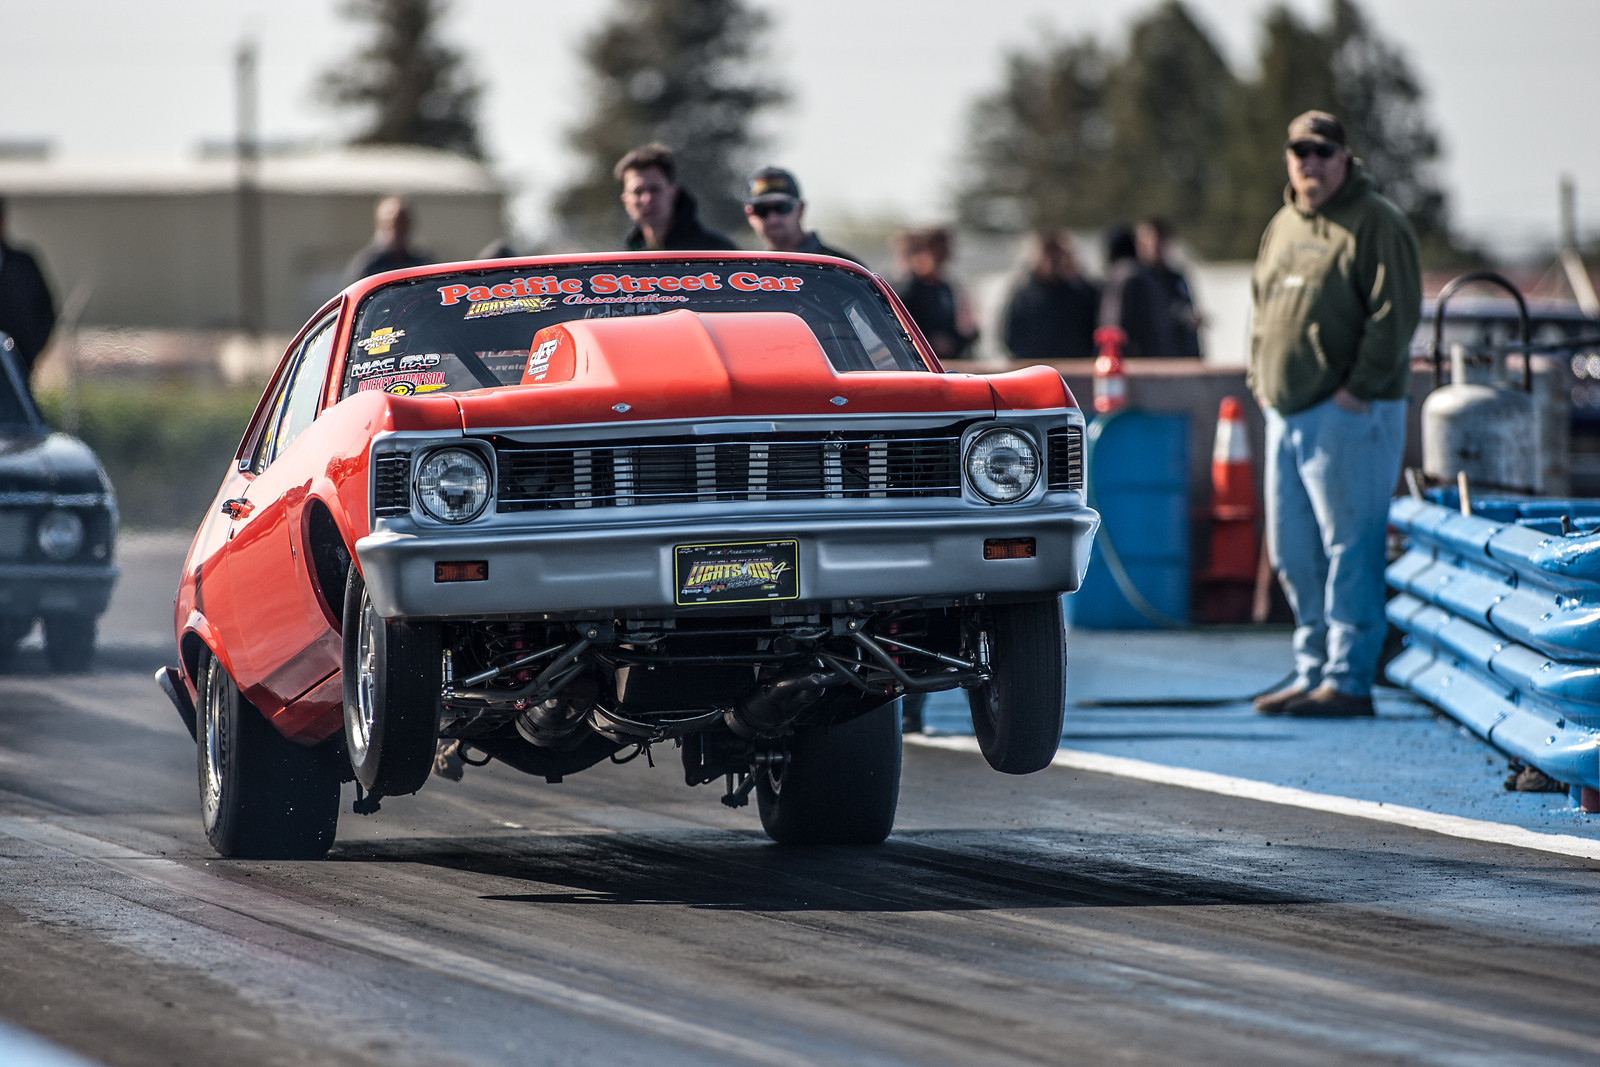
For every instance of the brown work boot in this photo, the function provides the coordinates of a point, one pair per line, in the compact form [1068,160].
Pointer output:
[1326,702]
[1272,703]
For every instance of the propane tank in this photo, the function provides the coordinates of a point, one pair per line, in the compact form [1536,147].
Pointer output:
[1110,383]
[1480,425]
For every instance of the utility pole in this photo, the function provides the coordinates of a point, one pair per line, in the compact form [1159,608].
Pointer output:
[247,197]
[1571,261]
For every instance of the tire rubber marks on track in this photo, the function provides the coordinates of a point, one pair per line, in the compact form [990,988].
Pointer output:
[371,940]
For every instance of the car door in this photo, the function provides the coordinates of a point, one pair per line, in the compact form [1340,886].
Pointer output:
[279,653]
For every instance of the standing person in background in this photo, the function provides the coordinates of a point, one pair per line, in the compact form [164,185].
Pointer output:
[665,215]
[1125,297]
[391,247]
[27,311]
[1173,326]
[1337,291]
[939,311]
[776,212]
[1052,314]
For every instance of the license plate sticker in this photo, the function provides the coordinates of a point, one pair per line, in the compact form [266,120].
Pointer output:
[745,572]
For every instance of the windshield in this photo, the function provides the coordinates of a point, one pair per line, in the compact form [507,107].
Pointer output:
[450,332]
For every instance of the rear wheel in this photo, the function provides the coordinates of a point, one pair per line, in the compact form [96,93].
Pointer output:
[69,642]
[840,784]
[392,679]
[261,795]
[1017,714]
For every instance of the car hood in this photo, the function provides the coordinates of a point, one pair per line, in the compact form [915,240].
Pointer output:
[31,461]
[685,365]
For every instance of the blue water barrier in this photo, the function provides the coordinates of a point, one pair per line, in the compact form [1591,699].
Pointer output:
[1139,465]
[1501,612]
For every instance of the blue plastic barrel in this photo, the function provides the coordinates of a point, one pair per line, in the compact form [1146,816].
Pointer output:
[1139,469]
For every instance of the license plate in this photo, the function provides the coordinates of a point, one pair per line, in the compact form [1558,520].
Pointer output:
[741,573]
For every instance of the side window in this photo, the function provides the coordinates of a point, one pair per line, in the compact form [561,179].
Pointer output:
[294,403]
[310,374]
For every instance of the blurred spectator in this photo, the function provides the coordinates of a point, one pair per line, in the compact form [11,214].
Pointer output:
[664,213]
[776,212]
[1173,325]
[939,311]
[391,247]
[499,248]
[27,312]
[1125,297]
[1052,315]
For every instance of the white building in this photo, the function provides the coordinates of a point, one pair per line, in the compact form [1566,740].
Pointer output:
[158,245]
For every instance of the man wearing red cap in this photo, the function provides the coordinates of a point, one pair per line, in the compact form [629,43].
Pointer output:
[1337,291]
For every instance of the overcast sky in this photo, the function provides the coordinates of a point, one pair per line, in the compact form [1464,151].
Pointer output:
[880,87]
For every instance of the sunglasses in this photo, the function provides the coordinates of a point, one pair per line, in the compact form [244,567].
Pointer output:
[1320,149]
[780,207]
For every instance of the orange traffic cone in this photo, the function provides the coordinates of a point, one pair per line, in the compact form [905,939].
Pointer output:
[1110,383]
[1235,544]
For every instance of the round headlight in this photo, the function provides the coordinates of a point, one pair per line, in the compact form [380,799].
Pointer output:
[60,534]
[1002,465]
[453,485]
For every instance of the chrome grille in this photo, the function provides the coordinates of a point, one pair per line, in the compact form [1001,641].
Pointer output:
[538,477]
[15,534]
[391,484]
[1066,458]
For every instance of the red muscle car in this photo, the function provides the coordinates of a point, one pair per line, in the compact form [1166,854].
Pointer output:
[555,511]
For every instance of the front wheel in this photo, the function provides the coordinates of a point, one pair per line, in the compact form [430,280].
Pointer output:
[1017,714]
[840,784]
[261,795]
[392,680]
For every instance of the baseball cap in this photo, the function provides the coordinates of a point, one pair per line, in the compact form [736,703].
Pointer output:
[771,184]
[1317,126]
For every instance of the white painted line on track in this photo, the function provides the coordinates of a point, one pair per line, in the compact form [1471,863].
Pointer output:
[371,940]
[1248,789]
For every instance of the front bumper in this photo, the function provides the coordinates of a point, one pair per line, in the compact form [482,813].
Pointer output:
[627,567]
[28,590]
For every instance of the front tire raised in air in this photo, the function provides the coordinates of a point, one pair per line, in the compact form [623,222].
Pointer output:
[261,795]
[392,680]
[1017,715]
[840,784]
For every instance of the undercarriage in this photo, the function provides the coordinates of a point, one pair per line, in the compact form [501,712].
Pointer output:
[731,692]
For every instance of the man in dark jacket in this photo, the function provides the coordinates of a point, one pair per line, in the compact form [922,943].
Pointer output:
[391,247]
[1174,325]
[775,210]
[1052,314]
[1338,292]
[664,213]
[27,311]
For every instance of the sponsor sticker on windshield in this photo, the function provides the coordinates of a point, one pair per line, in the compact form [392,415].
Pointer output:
[380,340]
[403,384]
[539,294]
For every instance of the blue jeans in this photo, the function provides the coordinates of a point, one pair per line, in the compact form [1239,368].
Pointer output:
[1330,474]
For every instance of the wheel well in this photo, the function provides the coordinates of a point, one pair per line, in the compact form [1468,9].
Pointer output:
[189,649]
[329,558]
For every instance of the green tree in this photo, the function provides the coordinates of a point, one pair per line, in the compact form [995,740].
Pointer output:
[1037,154]
[411,87]
[1380,101]
[1079,137]
[683,72]
[1171,102]
[1295,75]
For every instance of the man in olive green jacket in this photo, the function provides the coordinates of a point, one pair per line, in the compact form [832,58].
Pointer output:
[1337,292]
